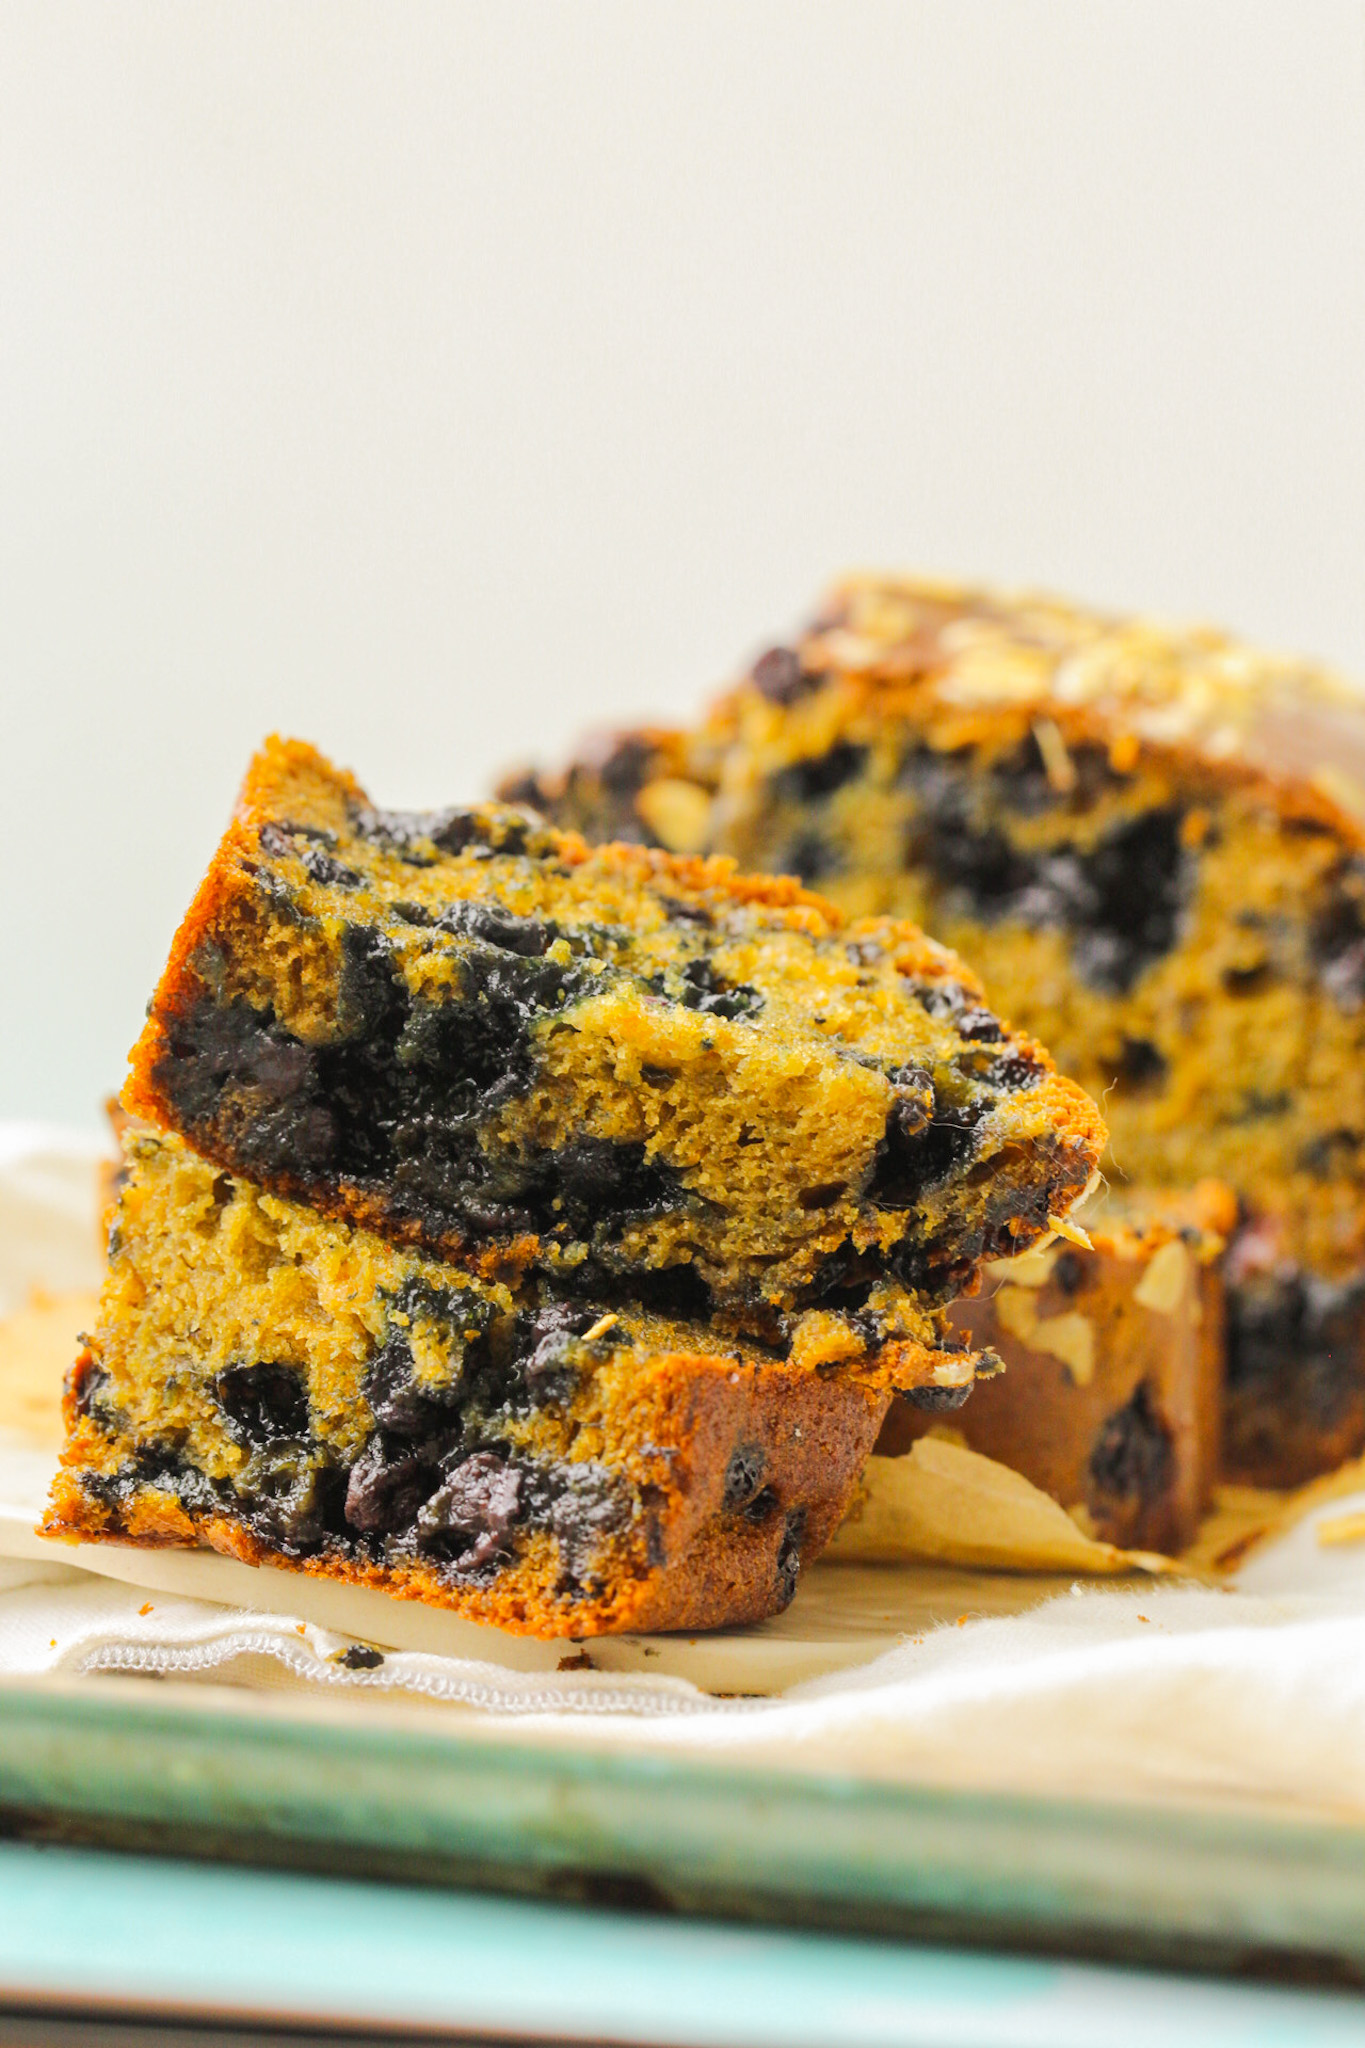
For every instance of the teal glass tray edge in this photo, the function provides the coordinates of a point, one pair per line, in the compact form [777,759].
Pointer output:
[333,1794]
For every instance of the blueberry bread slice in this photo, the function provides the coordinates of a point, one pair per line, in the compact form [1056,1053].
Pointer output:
[613,1068]
[299,1392]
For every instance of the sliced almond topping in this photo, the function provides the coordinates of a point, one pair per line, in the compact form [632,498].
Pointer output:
[677,812]
[1070,1337]
[1162,1287]
[1059,766]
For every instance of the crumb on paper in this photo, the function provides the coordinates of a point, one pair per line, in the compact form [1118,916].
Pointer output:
[357,1657]
[145,1608]
[1338,1529]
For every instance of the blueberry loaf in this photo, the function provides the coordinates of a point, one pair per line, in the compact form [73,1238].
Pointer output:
[1151,845]
[612,1069]
[1111,1397]
[297,1391]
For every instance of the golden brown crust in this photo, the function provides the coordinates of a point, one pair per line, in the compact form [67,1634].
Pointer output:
[978,657]
[968,665]
[283,778]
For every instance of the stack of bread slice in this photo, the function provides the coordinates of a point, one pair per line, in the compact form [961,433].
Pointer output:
[535,1230]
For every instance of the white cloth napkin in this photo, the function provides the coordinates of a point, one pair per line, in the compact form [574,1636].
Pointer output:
[1172,1694]
[1252,1696]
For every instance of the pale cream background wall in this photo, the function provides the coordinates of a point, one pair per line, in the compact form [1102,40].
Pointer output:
[436,379]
